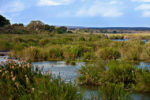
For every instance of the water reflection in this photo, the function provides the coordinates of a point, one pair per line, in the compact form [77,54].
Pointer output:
[145,41]
[67,72]
[70,72]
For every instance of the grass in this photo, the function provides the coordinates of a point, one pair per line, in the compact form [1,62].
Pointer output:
[115,76]
[21,82]
[75,46]
[115,72]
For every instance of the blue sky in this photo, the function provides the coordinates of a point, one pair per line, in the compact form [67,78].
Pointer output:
[90,13]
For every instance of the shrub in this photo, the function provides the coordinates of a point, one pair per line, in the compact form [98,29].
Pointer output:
[31,53]
[119,72]
[20,82]
[5,46]
[132,53]
[43,42]
[91,74]
[54,53]
[113,91]
[143,81]
[88,56]
[73,52]
[109,53]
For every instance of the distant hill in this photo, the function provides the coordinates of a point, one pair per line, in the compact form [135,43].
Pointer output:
[112,28]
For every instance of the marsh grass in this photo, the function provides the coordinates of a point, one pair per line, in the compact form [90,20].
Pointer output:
[21,82]
[113,91]
[115,72]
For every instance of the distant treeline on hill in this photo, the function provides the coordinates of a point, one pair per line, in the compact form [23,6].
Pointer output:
[38,27]
[33,27]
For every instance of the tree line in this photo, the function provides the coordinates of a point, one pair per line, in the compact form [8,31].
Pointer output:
[35,27]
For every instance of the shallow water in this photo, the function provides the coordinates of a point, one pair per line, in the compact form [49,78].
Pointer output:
[67,72]
[145,41]
[70,72]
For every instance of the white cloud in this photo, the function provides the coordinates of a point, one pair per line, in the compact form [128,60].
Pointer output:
[104,9]
[140,0]
[12,7]
[146,14]
[143,7]
[54,2]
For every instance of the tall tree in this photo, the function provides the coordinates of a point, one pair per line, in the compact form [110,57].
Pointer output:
[49,28]
[3,21]
[61,29]
[35,25]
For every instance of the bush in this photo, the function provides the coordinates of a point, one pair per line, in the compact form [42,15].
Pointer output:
[73,52]
[31,53]
[132,53]
[5,46]
[43,42]
[20,82]
[91,74]
[113,91]
[121,73]
[54,53]
[143,81]
[109,53]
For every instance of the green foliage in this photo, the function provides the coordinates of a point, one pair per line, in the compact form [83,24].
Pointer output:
[61,29]
[88,56]
[143,81]
[113,91]
[31,53]
[43,42]
[3,21]
[35,25]
[5,46]
[49,28]
[109,53]
[54,53]
[20,82]
[92,74]
[120,72]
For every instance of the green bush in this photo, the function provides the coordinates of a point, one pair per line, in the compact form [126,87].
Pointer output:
[54,53]
[20,82]
[43,42]
[121,73]
[31,53]
[113,91]
[73,52]
[91,74]
[109,53]
[143,81]
[5,46]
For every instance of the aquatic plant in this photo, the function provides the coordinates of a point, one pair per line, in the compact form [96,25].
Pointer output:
[108,53]
[113,91]
[21,82]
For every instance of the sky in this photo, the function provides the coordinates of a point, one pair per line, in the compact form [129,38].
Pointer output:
[88,13]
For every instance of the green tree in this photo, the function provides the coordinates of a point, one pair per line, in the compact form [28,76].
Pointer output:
[35,25]
[3,21]
[61,29]
[49,28]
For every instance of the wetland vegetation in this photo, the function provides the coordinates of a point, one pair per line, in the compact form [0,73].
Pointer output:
[110,65]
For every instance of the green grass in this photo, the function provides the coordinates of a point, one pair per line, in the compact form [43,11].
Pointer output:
[21,82]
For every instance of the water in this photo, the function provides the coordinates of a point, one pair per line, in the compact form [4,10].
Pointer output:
[67,72]
[145,41]
[70,72]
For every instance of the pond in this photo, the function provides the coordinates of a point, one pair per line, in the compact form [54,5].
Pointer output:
[145,41]
[70,72]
